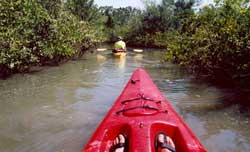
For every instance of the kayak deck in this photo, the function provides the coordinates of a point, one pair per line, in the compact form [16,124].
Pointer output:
[141,112]
[119,54]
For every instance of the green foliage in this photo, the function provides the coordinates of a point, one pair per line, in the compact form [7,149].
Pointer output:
[53,7]
[84,9]
[119,21]
[216,42]
[31,34]
[21,26]
[159,19]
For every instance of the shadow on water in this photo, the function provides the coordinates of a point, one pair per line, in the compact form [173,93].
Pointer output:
[234,92]
[230,94]
[238,97]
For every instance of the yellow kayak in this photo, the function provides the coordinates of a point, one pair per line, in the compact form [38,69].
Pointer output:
[119,53]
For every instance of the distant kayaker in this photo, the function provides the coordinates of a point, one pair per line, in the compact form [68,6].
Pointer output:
[163,143]
[120,45]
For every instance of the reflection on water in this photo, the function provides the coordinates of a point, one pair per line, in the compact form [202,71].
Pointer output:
[58,108]
[120,63]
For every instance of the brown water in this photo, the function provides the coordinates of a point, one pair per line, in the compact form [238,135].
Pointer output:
[58,108]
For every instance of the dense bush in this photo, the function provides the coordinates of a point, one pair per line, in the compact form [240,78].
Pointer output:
[148,28]
[34,32]
[216,42]
[85,10]
[118,21]
[24,28]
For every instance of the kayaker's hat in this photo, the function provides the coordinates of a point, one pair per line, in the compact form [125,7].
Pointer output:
[119,38]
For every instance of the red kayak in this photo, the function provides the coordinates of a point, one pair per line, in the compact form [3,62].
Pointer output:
[141,112]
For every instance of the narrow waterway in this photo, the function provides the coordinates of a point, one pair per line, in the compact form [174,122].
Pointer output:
[58,108]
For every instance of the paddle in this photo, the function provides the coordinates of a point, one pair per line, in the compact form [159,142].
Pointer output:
[138,50]
[101,49]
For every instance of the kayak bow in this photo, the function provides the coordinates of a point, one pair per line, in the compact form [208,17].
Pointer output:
[141,112]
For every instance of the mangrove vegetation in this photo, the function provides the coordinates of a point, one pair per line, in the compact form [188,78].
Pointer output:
[213,41]
[40,32]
